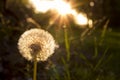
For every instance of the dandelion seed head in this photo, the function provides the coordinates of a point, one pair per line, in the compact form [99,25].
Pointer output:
[36,42]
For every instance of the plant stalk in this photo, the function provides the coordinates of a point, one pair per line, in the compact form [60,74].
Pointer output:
[67,44]
[35,68]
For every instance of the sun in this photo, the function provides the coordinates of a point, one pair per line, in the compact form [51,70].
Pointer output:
[62,10]
[62,7]
[45,5]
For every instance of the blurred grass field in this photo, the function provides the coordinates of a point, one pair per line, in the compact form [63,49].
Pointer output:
[92,58]
[94,53]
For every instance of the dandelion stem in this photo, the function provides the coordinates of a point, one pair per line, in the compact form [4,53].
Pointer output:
[35,68]
[67,44]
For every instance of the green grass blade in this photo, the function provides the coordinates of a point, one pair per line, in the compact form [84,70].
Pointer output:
[100,60]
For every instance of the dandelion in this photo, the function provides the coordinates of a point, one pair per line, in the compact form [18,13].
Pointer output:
[36,42]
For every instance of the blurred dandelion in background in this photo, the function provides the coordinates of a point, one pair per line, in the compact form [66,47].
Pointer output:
[36,42]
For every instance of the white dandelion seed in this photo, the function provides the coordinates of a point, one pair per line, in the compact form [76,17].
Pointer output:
[36,42]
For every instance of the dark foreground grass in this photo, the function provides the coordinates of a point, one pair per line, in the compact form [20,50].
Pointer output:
[93,57]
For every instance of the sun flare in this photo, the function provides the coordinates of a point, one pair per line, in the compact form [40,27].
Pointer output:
[81,19]
[62,9]
[41,5]
[60,6]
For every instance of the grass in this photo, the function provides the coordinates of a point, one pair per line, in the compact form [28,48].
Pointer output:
[95,57]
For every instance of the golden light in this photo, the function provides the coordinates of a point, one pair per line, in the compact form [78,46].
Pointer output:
[90,23]
[41,5]
[92,4]
[62,7]
[81,19]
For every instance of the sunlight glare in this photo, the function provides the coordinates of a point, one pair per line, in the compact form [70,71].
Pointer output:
[81,19]
[90,23]
[62,7]
[41,5]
